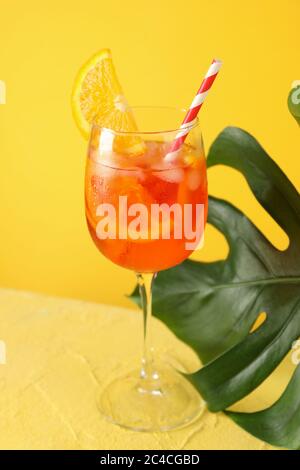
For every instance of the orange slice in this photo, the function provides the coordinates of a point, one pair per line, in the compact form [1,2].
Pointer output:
[97,97]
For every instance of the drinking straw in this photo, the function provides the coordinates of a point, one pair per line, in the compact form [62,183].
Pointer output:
[195,107]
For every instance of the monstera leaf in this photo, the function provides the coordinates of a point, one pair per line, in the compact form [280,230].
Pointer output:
[213,306]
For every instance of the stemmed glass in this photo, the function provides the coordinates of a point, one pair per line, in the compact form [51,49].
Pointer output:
[146,208]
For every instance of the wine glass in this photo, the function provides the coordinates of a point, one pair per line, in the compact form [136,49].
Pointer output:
[146,208]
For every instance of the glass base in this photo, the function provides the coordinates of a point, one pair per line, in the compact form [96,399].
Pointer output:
[160,402]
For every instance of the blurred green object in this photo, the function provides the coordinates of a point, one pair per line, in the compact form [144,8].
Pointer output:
[294,100]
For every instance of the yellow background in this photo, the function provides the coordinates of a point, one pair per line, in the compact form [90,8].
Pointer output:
[161,50]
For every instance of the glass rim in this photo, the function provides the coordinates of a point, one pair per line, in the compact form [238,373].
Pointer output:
[193,124]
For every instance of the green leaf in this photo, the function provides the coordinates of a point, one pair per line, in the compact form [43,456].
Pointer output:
[212,306]
[255,277]
[279,424]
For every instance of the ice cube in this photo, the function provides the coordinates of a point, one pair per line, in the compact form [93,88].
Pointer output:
[174,175]
[193,179]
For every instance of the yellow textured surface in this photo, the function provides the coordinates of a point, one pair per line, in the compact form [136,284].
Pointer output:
[58,353]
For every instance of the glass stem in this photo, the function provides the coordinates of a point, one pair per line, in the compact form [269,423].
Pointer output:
[145,282]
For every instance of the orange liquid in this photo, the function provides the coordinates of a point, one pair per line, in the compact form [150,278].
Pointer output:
[145,179]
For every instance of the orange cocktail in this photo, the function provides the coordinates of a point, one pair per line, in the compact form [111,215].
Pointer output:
[150,180]
[146,208]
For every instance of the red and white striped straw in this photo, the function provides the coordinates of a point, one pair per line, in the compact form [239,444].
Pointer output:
[194,108]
